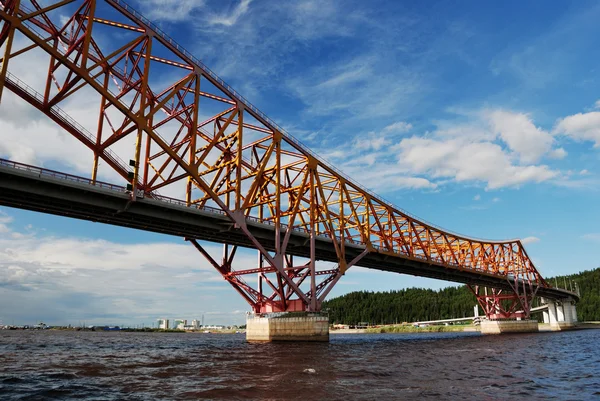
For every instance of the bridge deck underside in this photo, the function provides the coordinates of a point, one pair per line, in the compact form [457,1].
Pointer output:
[29,191]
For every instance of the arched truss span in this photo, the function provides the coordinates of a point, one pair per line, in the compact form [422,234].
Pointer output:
[190,134]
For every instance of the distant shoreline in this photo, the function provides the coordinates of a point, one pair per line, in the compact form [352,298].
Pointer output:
[127,330]
[444,329]
[407,329]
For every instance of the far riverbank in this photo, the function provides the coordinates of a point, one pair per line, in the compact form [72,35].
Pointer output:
[442,329]
[407,329]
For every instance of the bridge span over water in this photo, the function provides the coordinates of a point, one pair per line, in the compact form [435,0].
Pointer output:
[233,175]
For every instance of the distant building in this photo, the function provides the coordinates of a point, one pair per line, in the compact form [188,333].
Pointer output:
[215,327]
[163,324]
[195,324]
[179,324]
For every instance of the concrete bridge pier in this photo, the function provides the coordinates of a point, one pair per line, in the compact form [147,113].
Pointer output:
[502,326]
[287,326]
[561,314]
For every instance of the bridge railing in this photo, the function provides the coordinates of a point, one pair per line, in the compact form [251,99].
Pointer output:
[180,202]
[43,172]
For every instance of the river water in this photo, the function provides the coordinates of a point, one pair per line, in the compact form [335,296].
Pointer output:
[149,366]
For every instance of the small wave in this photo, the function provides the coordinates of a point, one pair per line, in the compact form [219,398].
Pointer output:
[62,376]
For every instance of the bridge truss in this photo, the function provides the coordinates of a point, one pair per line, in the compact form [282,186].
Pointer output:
[190,135]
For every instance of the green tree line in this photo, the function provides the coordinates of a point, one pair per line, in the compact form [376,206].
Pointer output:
[588,284]
[419,304]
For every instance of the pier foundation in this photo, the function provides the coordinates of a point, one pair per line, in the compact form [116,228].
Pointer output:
[287,326]
[562,315]
[508,326]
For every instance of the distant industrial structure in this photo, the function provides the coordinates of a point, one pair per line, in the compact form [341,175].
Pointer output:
[182,324]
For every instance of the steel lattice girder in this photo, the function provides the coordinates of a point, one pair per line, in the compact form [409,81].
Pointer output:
[502,304]
[193,135]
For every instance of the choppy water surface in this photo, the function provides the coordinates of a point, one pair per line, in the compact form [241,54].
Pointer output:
[148,366]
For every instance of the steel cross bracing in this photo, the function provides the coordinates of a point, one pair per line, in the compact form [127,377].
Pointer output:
[190,135]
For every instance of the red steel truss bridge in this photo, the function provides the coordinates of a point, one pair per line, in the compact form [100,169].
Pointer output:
[233,176]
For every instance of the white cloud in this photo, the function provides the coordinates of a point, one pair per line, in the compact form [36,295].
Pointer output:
[530,240]
[41,142]
[594,237]
[462,160]
[376,91]
[351,74]
[85,278]
[5,218]
[412,183]
[558,154]
[521,135]
[597,104]
[583,184]
[371,141]
[170,10]
[400,127]
[584,172]
[581,127]
[477,197]
[231,19]
[378,140]
[494,147]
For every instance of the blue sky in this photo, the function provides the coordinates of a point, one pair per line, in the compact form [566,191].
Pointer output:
[481,118]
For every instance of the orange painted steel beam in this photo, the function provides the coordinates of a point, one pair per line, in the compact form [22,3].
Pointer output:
[238,160]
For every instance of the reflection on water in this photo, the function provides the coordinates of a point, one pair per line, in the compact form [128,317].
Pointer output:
[148,366]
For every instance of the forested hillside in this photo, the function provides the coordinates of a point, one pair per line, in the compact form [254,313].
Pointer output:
[407,305]
[588,308]
[418,304]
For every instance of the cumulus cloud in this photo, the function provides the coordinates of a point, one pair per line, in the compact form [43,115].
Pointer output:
[86,278]
[462,161]
[521,135]
[496,147]
[378,140]
[558,154]
[581,127]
